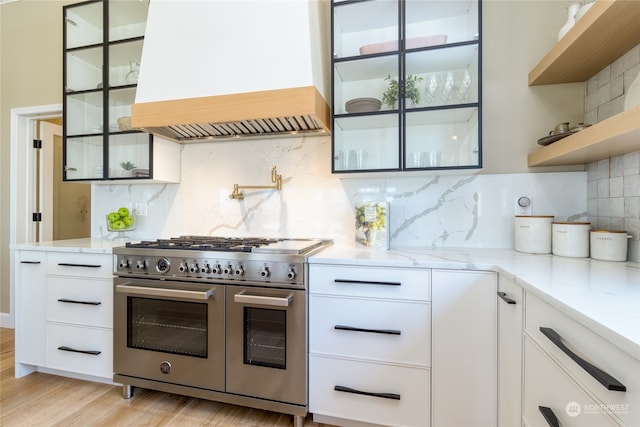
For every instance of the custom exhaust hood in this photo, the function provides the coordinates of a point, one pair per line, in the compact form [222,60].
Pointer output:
[223,69]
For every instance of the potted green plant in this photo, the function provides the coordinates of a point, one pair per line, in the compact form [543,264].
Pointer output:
[128,166]
[390,95]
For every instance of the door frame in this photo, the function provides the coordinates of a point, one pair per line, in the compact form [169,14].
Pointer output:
[22,185]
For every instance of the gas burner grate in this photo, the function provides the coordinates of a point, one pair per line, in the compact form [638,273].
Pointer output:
[205,243]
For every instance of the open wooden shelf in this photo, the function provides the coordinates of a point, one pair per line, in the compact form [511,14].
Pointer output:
[602,35]
[614,136]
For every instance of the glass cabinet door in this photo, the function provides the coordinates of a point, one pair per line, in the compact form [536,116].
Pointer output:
[406,85]
[366,132]
[102,50]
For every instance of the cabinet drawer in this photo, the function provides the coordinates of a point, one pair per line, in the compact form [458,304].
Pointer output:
[587,345]
[80,339]
[79,300]
[549,386]
[411,385]
[80,265]
[385,330]
[375,282]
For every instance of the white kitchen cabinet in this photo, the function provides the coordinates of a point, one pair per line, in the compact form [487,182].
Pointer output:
[64,307]
[594,366]
[510,320]
[30,337]
[552,396]
[464,348]
[369,345]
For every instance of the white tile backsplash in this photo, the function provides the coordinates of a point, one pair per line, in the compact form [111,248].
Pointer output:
[426,209]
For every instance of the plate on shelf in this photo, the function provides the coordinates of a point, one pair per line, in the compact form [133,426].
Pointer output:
[411,43]
[363,105]
[556,137]
[140,172]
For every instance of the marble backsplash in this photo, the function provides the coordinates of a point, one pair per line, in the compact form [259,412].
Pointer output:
[427,209]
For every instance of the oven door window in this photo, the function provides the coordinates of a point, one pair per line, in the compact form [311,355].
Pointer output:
[167,326]
[265,337]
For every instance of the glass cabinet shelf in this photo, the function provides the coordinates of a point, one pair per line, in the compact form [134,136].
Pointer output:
[406,82]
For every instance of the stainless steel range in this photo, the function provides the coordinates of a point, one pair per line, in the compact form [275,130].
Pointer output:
[216,318]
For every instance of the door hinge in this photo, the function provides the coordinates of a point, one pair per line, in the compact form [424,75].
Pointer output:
[36,217]
[37,143]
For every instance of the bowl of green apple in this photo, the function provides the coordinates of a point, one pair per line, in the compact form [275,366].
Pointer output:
[121,220]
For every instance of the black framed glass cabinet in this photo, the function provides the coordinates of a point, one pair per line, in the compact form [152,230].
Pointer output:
[406,79]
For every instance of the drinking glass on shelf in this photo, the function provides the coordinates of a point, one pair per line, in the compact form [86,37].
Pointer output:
[448,88]
[433,86]
[464,86]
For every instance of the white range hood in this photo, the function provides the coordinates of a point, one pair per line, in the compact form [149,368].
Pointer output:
[220,69]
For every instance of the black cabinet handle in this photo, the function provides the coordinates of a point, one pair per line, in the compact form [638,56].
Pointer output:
[374,331]
[366,393]
[548,415]
[29,262]
[505,298]
[366,282]
[68,264]
[70,301]
[73,350]
[601,376]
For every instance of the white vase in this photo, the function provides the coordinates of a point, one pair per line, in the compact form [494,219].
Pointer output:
[571,19]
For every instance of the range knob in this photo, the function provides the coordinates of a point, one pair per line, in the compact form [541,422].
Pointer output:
[216,269]
[291,274]
[141,265]
[239,271]
[193,268]
[228,269]
[204,268]
[264,271]
[124,263]
[182,267]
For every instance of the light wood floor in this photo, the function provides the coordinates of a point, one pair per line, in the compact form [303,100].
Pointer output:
[48,400]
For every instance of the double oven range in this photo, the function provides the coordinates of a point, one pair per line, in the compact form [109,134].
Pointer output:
[217,318]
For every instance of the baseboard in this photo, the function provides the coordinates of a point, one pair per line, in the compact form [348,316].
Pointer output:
[6,321]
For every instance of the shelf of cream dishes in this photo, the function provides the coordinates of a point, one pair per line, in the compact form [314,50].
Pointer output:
[595,41]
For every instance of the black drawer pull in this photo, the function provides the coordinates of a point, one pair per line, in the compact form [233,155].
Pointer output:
[366,393]
[374,331]
[601,376]
[70,301]
[68,264]
[548,415]
[505,298]
[73,350]
[29,262]
[367,282]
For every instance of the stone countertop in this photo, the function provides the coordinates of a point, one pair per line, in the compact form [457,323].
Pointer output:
[603,296]
[86,245]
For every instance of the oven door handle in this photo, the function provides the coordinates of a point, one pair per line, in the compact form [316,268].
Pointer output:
[242,297]
[170,293]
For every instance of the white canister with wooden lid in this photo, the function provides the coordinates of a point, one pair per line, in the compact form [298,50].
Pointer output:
[570,239]
[533,234]
[609,245]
